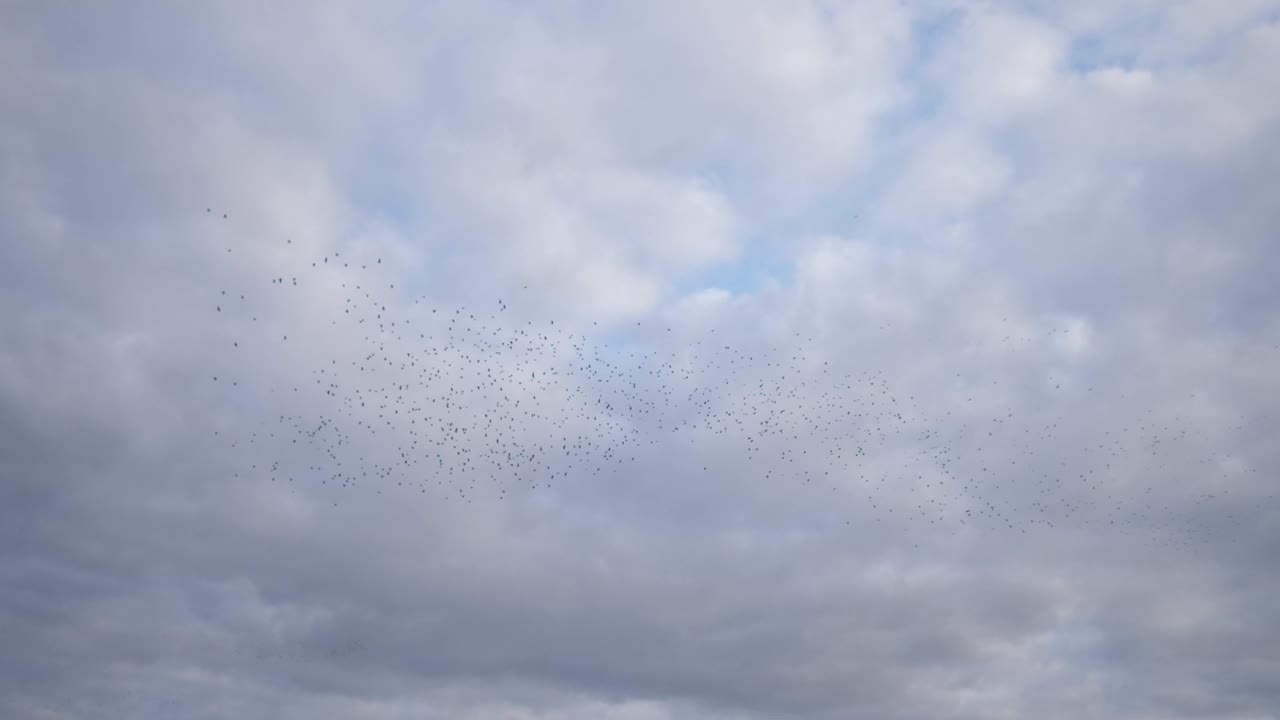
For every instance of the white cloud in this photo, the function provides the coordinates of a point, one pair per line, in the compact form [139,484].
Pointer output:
[998,65]
[949,174]
[1007,377]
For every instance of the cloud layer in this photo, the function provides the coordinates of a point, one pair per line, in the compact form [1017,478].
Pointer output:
[833,360]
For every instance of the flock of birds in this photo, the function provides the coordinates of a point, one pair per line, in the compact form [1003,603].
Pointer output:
[382,390]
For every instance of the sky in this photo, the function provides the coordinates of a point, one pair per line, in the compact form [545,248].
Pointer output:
[880,359]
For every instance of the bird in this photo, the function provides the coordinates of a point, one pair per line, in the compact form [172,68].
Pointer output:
[475,403]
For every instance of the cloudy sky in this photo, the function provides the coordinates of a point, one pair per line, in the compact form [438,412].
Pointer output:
[640,361]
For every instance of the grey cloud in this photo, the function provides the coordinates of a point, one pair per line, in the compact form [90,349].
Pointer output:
[1061,503]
